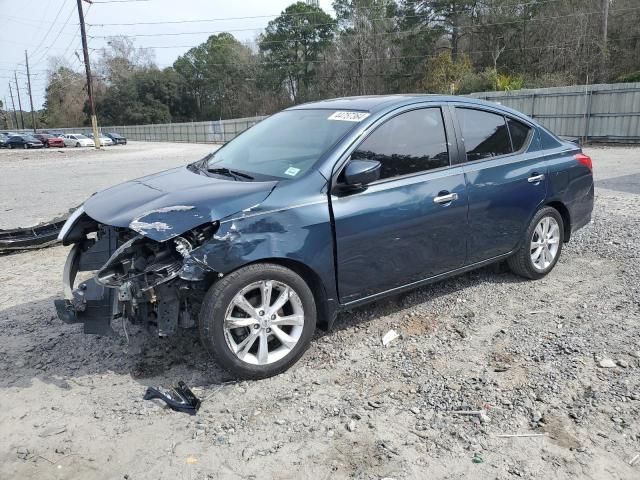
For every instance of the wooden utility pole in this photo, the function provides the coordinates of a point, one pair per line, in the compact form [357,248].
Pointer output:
[15,76]
[13,105]
[5,107]
[604,27]
[33,117]
[87,67]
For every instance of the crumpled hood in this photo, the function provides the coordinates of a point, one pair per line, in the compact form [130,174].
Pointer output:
[167,204]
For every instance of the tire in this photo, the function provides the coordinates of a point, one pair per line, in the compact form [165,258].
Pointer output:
[46,145]
[25,146]
[522,262]
[219,340]
[77,144]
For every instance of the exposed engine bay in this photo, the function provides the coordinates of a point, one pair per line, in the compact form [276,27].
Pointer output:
[157,285]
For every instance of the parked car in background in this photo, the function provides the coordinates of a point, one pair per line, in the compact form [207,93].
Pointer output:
[105,141]
[78,140]
[54,133]
[320,208]
[49,140]
[117,138]
[24,141]
[3,140]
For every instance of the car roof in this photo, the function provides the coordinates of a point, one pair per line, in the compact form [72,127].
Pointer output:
[376,103]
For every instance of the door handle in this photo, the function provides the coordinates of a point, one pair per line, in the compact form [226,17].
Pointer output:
[536,178]
[448,198]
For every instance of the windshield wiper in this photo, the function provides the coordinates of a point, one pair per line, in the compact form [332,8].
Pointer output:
[229,173]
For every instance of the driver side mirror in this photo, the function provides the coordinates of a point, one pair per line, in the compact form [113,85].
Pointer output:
[360,172]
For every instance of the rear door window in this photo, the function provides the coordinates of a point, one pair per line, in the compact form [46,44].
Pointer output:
[485,134]
[410,142]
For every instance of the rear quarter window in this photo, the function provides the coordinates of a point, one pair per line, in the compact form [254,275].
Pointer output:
[519,134]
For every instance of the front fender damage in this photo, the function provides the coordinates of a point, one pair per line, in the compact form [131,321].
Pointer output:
[135,277]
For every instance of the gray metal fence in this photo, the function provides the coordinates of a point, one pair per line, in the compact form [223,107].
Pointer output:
[195,132]
[605,112]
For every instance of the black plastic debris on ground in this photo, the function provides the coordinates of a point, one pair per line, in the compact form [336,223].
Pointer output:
[180,398]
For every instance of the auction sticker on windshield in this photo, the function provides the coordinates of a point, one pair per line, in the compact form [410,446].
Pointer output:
[292,171]
[349,116]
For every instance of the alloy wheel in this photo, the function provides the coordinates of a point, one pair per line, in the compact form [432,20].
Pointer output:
[264,322]
[545,243]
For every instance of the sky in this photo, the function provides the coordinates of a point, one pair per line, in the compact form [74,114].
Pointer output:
[49,28]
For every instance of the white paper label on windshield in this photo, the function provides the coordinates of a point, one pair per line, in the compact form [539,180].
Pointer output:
[349,116]
[291,171]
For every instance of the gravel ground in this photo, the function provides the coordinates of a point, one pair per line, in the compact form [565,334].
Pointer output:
[558,358]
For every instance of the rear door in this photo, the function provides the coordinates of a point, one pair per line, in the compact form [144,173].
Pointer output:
[410,224]
[506,182]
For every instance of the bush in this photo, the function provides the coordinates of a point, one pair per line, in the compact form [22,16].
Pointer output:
[629,77]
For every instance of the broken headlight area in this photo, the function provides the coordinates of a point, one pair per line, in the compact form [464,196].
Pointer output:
[150,283]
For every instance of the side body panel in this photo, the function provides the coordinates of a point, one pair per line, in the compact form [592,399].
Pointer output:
[571,184]
[502,199]
[393,233]
[501,202]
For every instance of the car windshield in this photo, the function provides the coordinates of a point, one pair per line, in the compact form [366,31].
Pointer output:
[114,135]
[284,145]
[30,138]
[80,136]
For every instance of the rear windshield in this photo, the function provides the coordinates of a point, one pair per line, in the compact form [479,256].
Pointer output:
[286,144]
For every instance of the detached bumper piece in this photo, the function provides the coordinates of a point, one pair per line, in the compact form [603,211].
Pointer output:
[180,398]
[39,236]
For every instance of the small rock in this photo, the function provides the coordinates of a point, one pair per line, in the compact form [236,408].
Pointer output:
[351,426]
[606,363]
[415,410]
[622,364]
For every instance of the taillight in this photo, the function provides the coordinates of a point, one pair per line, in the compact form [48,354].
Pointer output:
[584,160]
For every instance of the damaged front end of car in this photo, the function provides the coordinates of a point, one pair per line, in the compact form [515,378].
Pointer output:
[149,282]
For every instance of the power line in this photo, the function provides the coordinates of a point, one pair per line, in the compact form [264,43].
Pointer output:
[35,50]
[473,25]
[46,52]
[295,14]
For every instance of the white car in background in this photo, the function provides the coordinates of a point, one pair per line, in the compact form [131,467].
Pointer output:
[105,141]
[77,140]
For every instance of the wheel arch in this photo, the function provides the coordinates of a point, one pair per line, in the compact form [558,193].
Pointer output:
[566,217]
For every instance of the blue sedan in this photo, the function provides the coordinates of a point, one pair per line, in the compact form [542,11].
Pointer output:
[318,208]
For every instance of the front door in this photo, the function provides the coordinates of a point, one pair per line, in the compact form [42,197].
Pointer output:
[506,184]
[412,223]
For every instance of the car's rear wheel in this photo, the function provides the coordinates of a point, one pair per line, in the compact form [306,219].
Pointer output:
[541,245]
[258,321]
[25,146]
[77,144]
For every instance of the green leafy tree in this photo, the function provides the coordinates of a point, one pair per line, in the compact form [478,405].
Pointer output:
[293,45]
[444,73]
[65,98]
[218,76]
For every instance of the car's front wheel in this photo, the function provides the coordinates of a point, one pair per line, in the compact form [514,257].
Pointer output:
[541,245]
[77,144]
[258,321]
